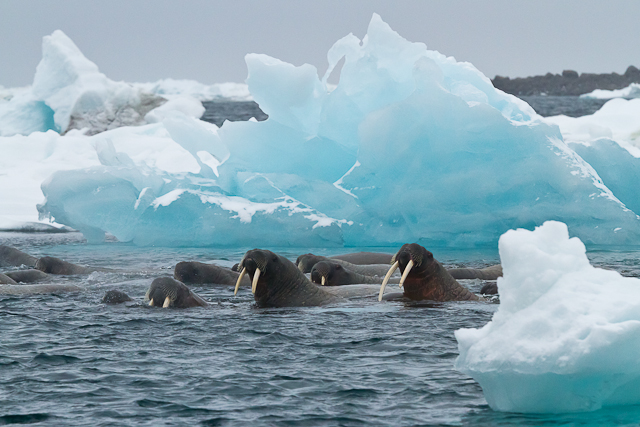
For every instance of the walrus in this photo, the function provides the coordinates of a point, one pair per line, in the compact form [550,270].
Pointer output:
[424,278]
[52,265]
[330,273]
[364,258]
[12,257]
[306,262]
[490,289]
[487,273]
[193,272]
[277,282]
[37,289]
[115,296]
[6,280]
[27,276]
[168,292]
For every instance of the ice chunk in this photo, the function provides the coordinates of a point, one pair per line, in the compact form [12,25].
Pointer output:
[617,120]
[171,88]
[566,336]
[69,92]
[631,91]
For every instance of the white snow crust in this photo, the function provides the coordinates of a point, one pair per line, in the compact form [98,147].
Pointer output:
[631,91]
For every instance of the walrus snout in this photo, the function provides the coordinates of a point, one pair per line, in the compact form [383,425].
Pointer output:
[324,272]
[409,255]
[255,263]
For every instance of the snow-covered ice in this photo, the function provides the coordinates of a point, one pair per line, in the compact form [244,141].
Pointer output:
[566,336]
[169,88]
[631,91]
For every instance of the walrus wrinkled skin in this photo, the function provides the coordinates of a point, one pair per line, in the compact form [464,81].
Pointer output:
[306,262]
[52,265]
[28,276]
[277,282]
[12,257]
[424,278]
[330,273]
[194,272]
[167,292]
[115,296]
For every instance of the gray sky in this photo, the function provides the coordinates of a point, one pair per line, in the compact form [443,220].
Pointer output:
[206,40]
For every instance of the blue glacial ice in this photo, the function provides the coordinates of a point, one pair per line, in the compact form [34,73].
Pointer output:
[410,146]
[566,336]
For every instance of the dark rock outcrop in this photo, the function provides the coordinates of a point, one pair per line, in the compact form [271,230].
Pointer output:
[568,83]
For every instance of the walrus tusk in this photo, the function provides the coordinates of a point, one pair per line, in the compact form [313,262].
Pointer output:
[167,302]
[323,281]
[406,272]
[393,268]
[151,302]
[242,273]
[254,284]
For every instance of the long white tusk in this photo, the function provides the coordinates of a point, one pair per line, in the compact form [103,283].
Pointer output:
[406,272]
[254,284]
[151,302]
[323,280]
[167,302]
[393,268]
[242,273]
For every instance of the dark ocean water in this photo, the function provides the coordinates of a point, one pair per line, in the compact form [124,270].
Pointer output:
[68,359]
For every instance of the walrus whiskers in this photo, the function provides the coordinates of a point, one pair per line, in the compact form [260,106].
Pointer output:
[254,284]
[393,268]
[242,273]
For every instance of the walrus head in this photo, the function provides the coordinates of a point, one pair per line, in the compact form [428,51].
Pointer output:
[306,262]
[412,259]
[272,276]
[167,292]
[327,273]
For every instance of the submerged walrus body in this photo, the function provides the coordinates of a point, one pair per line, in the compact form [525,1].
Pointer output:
[28,276]
[53,265]
[367,263]
[12,257]
[424,278]
[193,272]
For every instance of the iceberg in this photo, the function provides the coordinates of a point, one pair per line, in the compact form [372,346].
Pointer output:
[69,92]
[566,336]
[631,91]
[410,146]
[617,120]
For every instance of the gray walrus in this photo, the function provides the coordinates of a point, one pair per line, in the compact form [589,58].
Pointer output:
[52,265]
[277,282]
[168,292]
[6,280]
[332,273]
[306,262]
[37,289]
[424,278]
[115,296]
[12,257]
[193,272]
[28,276]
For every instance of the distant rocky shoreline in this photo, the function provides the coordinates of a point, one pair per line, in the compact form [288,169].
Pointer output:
[569,83]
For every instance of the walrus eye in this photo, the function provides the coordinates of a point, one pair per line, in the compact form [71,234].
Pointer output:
[339,267]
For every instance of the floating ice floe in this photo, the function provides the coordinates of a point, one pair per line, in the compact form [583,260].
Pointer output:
[566,336]
[631,91]
[169,88]
[69,92]
[410,146]
[618,119]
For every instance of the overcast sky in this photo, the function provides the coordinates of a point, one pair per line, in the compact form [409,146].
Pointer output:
[206,40]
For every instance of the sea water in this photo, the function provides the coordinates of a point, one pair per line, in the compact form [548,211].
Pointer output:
[68,359]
